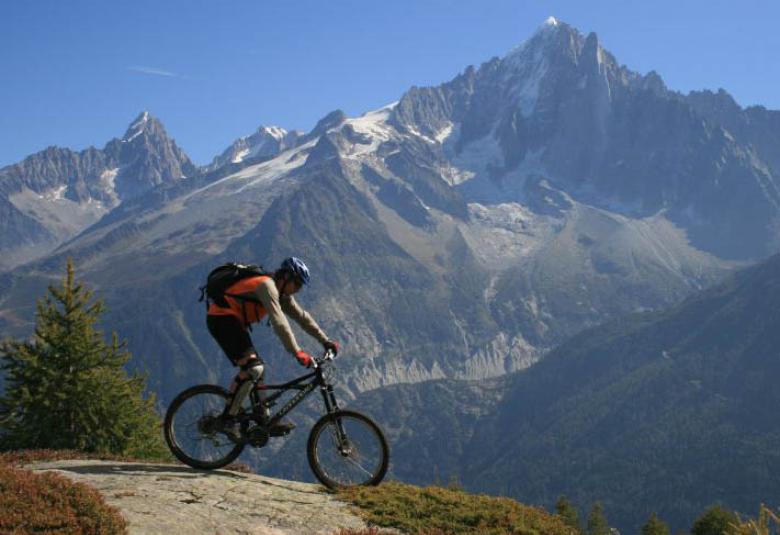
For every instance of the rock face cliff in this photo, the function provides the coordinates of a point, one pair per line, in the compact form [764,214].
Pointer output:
[168,499]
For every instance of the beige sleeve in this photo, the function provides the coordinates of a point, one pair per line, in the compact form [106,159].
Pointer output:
[303,318]
[269,297]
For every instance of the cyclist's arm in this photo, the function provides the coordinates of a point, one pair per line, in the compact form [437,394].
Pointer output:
[269,297]
[291,307]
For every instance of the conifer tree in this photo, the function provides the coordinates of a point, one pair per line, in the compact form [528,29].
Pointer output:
[714,521]
[568,513]
[655,526]
[597,521]
[66,387]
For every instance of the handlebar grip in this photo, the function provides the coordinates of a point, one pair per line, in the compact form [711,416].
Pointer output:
[328,355]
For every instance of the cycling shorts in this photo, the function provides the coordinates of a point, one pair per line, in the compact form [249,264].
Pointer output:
[231,337]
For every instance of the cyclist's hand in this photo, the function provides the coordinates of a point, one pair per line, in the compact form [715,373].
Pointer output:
[331,345]
[304,359]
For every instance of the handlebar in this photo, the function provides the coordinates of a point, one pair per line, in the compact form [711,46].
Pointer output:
[328,355]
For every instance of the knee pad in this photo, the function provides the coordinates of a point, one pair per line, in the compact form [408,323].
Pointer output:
[254,369]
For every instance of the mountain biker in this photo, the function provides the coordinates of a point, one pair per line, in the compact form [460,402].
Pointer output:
[248,301]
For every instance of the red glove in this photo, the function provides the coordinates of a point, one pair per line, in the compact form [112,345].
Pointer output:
[304,359]
[331,345]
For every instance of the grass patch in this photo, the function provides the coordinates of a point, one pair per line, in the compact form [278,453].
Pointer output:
[440,511]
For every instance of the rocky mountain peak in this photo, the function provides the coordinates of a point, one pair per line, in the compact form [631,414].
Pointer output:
[265,142]
[330,121]
[145,123]
[553,38]
[146,156]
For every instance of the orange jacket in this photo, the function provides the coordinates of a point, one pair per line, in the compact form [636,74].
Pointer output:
[248,310]
[263,300]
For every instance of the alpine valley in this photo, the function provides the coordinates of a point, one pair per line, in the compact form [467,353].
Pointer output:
[457,237]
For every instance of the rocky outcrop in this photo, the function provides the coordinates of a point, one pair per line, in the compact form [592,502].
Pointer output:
[164,498]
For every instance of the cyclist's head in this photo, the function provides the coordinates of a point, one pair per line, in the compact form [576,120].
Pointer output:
[295,268]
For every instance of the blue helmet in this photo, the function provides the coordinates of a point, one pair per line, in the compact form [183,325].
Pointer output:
[296,267]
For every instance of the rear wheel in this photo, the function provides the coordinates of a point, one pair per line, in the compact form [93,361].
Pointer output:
[192,428]
[347,449]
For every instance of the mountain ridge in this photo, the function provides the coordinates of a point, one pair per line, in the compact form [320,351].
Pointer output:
[54,194]
[666,411]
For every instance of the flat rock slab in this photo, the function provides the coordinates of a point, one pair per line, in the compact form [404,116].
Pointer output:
[169,499]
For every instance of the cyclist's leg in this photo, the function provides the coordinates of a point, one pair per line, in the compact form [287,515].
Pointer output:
[237,345]
[251,371]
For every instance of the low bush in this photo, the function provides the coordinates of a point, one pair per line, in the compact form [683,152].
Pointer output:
[33,502]
[50,503]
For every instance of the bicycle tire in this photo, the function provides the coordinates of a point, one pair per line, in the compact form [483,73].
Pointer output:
[352,422]
[214,407]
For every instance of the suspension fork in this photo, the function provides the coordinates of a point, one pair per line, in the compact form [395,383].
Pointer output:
[329,398]
[331,406]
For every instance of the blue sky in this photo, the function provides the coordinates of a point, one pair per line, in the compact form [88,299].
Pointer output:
[75,73]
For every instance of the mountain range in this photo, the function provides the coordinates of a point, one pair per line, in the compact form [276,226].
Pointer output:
[459,234]
[669,412]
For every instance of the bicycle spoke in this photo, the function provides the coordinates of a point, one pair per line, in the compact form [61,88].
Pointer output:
[348,451]
[353,461]
[194,432]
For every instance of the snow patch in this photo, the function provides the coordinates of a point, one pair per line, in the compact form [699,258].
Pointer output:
[374,125]
[275,132]
[256,175]
[240,155]
[476,159]
[138,126]
[54,194]
[108,182]
[444,133]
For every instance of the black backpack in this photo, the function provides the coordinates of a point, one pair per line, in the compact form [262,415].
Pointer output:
[223,277]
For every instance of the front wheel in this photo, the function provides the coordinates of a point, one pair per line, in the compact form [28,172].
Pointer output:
[347,449]
[192,428]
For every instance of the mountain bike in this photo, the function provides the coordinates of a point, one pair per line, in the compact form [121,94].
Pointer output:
[345,448]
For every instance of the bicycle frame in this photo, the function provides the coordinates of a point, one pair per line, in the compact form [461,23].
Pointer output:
[257,399]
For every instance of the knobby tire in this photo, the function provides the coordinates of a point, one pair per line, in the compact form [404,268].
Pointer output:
[374,468]
[176,443]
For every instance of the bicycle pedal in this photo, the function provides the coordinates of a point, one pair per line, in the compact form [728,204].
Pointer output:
[281,429]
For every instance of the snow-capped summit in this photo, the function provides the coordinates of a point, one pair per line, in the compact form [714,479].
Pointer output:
[551,21]
[138,126]
[266,141]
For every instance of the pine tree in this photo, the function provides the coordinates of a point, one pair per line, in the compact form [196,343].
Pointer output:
[597,521]
[714,521]
[66,388]
[568,513]
[655,526]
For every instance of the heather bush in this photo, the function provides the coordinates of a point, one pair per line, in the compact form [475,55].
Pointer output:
[440,511]
[52,504]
